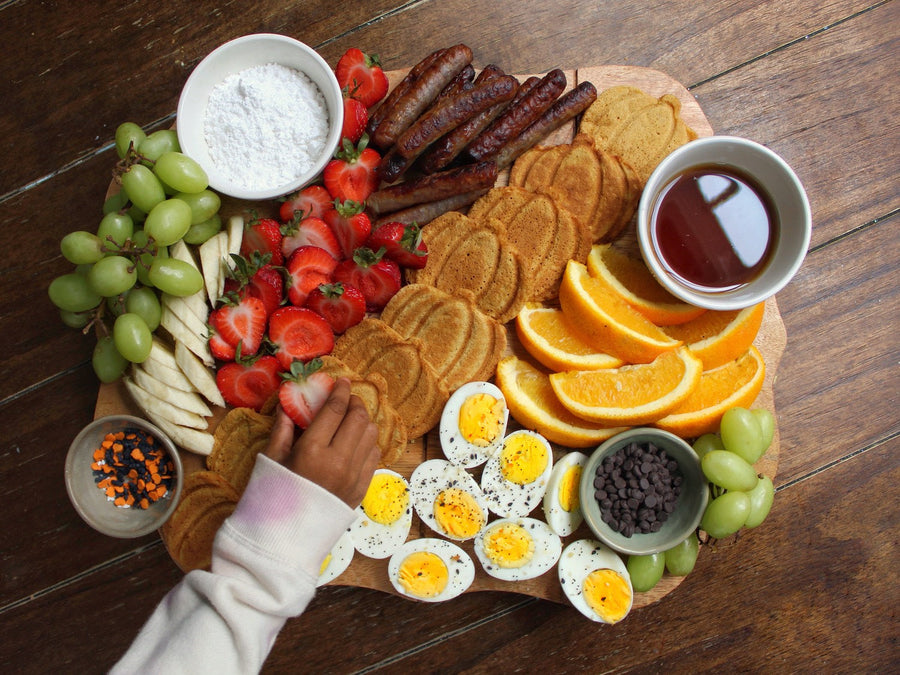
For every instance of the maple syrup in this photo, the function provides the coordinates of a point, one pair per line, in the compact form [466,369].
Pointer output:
[713,228]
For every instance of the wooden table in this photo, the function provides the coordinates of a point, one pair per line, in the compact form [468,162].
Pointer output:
[813,589]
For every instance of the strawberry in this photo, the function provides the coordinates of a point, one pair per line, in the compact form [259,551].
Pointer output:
[311,201]
[299,334]
[350,224]
[263,235]
[353,173]
[309,231]
[220,349]
[376,276]
[340,305]
[303,391]
[249,382]
[241,320]
[308,267]
[362,75]
[402,243]
[355,118]
[255,277]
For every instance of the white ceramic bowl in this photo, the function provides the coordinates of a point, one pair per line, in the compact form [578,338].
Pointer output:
[788,199]
[234,57]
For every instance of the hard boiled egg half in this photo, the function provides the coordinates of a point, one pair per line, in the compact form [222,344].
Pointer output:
[514,549]
[596,581]
[515,479]
[473,424]
[384,517]
[337,560]
[448,499]
[431,570]
[562,505]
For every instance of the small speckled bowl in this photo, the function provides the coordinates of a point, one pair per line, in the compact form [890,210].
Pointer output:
[91,502]
[234,57]
[688,509]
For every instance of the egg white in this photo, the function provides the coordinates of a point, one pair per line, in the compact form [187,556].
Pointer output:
[341,557]
[547,549]
[508,499]
[456,448]
[561,521]
[377,540]
[577,561]
[429,479]
[460,568]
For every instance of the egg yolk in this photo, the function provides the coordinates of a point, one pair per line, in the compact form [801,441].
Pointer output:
[607,593]
[458,514]
[568,489]
[325,564]
[423,574]
[480,419]
[523,459]
[508,545]
[386,499]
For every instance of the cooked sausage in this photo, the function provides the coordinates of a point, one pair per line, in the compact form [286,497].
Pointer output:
[432,188]
[567,107]
[421,94]
[463,80]
[403,86]
[428,211]
[392,166]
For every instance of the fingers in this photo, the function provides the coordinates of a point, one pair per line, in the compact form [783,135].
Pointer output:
[330,417]
[281,437]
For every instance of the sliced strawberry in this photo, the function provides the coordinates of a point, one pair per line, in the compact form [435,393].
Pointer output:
[376,276]
[220,349]
[350,224]
[304,390]
[249,382]
[299,334]
[309,231]
[240,321]
[308,267]
[263,235]
[402,243]
[341,305]
[311,201]
[257,278]
[353,173]
[356,116]
[362,75]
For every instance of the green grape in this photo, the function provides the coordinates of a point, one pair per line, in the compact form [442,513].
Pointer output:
[108,363]
[116,303]
[141,240]
[680,559]
[112,275]
[132,337]
[159,142]
[72,293]
[766,422]
[728,470]
[145,303]
[128,134]
[201,232]
[136,214]
[115,202]
[741,434]
[761,498]
[706,443]
[142,187]
[175,277]
[181,172]
[75,319]
[645,570]
[168,221]
[726,514]
[118,226]
[204,204]
[81,248]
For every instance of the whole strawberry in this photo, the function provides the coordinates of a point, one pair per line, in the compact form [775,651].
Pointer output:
[362,75]
[350,224]
[353,173]
[263,235]
[341,305]
[376,276]
[402,243]
[249,382]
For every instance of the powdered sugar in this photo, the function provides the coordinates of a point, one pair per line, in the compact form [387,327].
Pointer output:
[265,126]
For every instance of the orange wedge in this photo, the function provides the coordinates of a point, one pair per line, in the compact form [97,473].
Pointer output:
[533,404]
[547,336]
[606,322]
[737,383]
[632,394]
[631,279]
[718,337]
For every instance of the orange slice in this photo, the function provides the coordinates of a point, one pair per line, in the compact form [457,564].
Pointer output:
[631,279]
[717,337]
[632,394]
[737,383]
[533,404]
[606,322]
[547,336]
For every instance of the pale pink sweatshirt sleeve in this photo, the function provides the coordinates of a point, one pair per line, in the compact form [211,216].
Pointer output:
[266,560]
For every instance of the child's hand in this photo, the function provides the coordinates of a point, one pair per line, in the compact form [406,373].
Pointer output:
[337,451]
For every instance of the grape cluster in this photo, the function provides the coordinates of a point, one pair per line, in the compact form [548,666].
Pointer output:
[122,268]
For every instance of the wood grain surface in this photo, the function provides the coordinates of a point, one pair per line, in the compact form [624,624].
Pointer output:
[813,590]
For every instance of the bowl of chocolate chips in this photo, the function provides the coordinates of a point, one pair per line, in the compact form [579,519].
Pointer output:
[643,491]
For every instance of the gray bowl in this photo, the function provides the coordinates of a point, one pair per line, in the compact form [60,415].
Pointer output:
[688,509]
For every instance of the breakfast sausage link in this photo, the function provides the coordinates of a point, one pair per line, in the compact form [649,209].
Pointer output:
[434,187]
[462,81]
[420,95]
[392,166]
[567,107]
[403,86]
[518,117]
[452,111]
[428,211]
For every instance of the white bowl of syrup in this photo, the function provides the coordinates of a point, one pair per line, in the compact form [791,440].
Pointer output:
[723,223]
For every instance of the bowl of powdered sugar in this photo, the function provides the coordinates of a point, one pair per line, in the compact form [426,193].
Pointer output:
[262,115]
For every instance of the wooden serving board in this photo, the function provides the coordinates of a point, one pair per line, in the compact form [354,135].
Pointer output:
[771,341]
